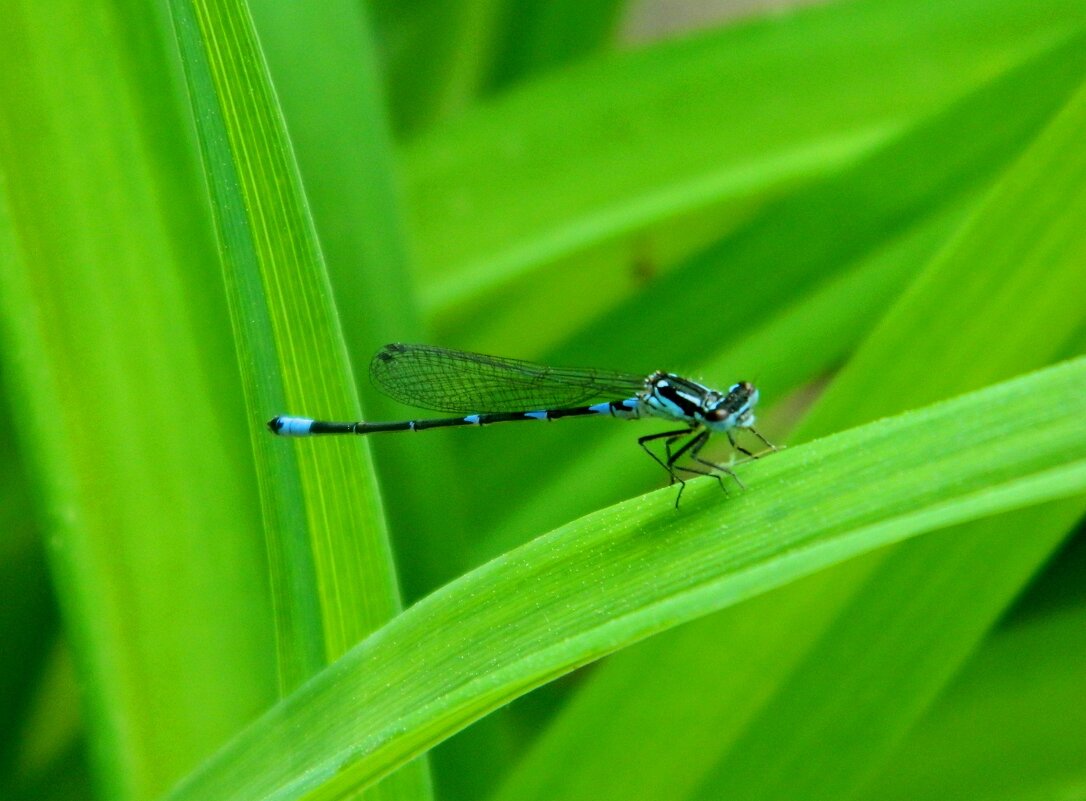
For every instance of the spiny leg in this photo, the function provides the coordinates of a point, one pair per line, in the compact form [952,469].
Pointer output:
[671,437]
[738,447]
[770,447]
[695,455]
[767,443]
[690,443]
[669,458]
[693,446]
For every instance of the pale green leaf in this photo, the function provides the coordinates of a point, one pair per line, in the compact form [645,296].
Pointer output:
[118,361]
[624,142]
[617,576]
[1009,726]
[751,720]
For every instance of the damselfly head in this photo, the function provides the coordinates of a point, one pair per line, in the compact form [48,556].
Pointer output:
[734,410]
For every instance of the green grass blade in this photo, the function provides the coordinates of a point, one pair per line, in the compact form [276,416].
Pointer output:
[28,617]
[854,232]
[544,34]
[1010,725]
[330,562]
[346,158]
[326,78]
[617,576]
[605,150]
[742,660]
[438,55]
[114,334]
[1029,238]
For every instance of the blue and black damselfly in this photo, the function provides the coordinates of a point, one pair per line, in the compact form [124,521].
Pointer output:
[492,389]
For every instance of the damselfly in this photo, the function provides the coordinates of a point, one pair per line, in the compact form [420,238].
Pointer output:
[491,389]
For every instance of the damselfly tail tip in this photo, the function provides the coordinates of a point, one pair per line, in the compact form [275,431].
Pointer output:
[290,426]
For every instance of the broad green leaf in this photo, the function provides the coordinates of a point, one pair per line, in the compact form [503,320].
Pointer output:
[1025,248]
[543,34]
[116,353]
[28,616]
[1009,725]
[292,355]
[438,54]
[778,632]
[49,737]
[604,150]
[805,261]
[799,242]
[617,576]
[326,78]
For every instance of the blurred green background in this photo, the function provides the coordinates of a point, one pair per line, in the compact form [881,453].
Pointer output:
[213,212]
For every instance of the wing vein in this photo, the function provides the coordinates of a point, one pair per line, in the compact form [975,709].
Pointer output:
[455,381]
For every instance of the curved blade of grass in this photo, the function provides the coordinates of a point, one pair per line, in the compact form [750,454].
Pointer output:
[329,589]
[850,232]
[605,149]
[114,341]
[543,34]
[1010,723]
[51,738]
[28,615]
[438,55]
[612,578]
[326,77]
[596,751]
[1030,239]
[732,666]
[796,243]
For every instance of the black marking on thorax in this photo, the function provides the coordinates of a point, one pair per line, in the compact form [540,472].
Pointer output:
[687,396]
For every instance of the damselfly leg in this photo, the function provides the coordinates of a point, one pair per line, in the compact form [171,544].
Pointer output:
[692,448]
